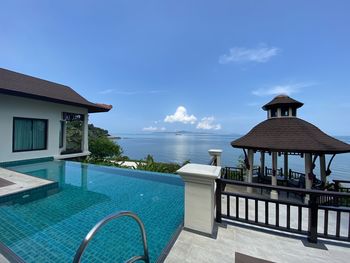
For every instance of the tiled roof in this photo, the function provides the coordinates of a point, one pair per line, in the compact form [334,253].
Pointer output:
[18,84]
[282,100]
[290,135]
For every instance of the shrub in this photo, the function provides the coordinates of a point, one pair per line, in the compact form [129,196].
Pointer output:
[102,147]
[150,165]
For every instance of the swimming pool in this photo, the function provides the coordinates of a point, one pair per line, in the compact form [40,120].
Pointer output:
[51,229]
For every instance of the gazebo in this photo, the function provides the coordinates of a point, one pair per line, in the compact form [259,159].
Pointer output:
[283,133]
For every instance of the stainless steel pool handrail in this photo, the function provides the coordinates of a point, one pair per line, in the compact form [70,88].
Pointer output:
[104,221]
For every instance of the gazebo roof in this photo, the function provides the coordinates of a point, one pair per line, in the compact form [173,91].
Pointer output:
[290,135]
[282,100]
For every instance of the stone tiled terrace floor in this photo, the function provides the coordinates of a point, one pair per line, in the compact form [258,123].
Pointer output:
[191,247]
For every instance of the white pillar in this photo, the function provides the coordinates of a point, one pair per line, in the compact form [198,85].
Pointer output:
[262,163]
[308,169]
[217,154]
[85,142]
[286,165]
[274,194]
[323,168]
[250,171]
[199,196]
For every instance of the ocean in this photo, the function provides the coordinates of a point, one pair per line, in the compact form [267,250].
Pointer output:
[169,147]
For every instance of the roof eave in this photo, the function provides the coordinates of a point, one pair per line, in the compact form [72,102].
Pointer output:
[269,106]
[288,150]
[92,107]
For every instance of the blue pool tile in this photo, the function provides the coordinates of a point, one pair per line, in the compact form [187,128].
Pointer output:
[51,229]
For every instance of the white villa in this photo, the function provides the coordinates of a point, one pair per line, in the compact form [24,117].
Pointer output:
[33,116]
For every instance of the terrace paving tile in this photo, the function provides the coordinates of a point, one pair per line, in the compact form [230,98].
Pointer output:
[192,247]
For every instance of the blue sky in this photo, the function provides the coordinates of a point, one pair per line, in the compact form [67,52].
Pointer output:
[213,63]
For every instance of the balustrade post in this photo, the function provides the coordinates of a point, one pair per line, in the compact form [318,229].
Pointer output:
[313,217]
[200,196]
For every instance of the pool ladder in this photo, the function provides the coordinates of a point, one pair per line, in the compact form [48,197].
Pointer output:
[90,235]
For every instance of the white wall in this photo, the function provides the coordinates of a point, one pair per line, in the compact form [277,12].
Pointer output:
[12,106]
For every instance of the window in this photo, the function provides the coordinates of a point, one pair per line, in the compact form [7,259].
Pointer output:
[61,133]
[294,112]
[273,113]
[284,111]
[29,134]
[67,116]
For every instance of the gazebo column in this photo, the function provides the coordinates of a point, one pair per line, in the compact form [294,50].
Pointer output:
[274,194]
[308,171]
[250,171]
[262,163]
[323,168]
[285,170]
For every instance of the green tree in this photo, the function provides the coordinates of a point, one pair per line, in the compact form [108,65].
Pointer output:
[74,136]
[96,132]
[102,147]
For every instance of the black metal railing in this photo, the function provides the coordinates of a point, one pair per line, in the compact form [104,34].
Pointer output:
[233,173]
[313,218]
[256,171]
[292,175]
[340,187]
[269,171]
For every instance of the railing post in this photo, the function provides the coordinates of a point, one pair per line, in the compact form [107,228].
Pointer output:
[218,200]
[313,216]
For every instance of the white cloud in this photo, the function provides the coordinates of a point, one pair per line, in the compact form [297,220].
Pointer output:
[288,89]
[207,123]
[106,91]
[153,129]
[181,115]
[261,54]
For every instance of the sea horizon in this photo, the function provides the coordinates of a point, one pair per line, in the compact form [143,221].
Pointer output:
[171,148]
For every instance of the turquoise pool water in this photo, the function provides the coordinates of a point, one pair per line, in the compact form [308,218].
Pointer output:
[51,229]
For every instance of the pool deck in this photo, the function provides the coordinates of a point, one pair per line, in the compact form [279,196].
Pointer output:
[258,242]
[14,182]
[262,244]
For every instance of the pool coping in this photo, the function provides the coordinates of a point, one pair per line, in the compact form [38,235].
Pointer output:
[9,255]
[165,252]
[23,189]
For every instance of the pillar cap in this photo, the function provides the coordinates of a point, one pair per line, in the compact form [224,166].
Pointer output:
[199,172]
[215,151]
